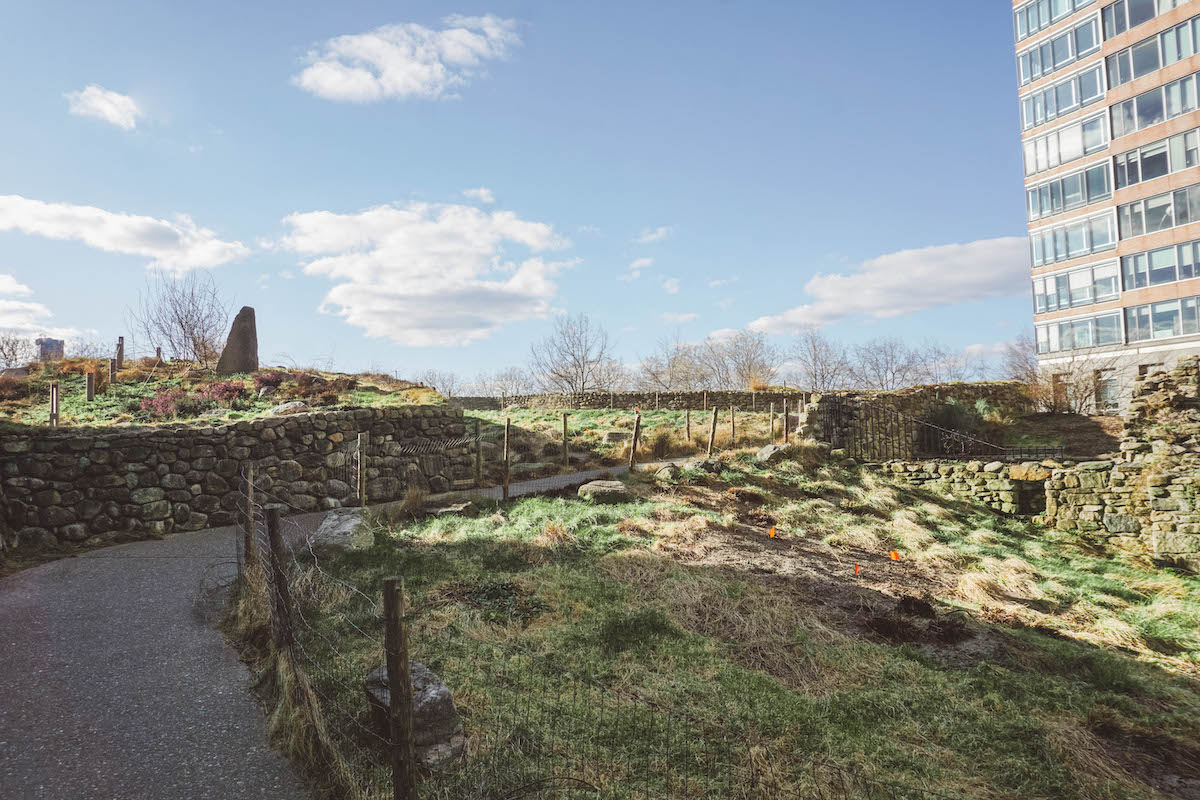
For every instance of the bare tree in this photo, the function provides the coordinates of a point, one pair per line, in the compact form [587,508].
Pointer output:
[508,382]
[444,381]
[85,348]
[941,365]
[886,364]
[1019,360]
[673,367]
[740,361]
[821,363]
[576,357]
[185,315]
[15,350]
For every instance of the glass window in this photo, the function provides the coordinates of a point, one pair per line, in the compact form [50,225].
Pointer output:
[1131,220]
[1022,24]
[1065,97]
[1039,296]
[1105,282]
[1153,160]
[1191,149]
[1140,11]
[1160,213]
[1137,323]
[1120,169]
[1186,256]
[1066,338]
[1162,266]
[1145,57]
[1097,183]
[1188,321]
[1193,195]
[1056,199]
[1085,38]
[1134,268]
[1108,329]
[1124,119]
[1082,331]
[1072,190]
[1174,94]
[1089,87]
[1077,238]
[1149,109]
[1061,47]
[1043,339]
[1081,287]
[1092,136]
[1103,237]
[1164,319]
[1180,196]
[1120,70]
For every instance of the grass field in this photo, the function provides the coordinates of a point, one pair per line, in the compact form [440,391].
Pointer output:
[988,660]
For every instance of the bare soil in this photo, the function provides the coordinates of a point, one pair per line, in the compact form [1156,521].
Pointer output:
[1081,436]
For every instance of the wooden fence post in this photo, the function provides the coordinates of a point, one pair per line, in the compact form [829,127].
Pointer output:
[611,400]
[112,371]
[478,456]
[772,423]
[712,433]
[249,556]
[706,401]
[786,435]
[89,386]
[753,400]
[732,429]
[637,430]
[688,425]
[283,595]
[158,354]
[54,405]
[656,401]
[361,470]
[120,352]
[400,708]
[507,426]
[566,456]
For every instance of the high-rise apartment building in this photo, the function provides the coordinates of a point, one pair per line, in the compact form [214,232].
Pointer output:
[1110,125]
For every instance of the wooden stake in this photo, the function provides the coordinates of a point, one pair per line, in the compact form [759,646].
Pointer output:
[732,429]
[54,405]
[712,433]
[772,422]
[478,456]
[248,546]
[158,354]
[656,401]
[785,421]
[400,691]
[687,417]
[507,425]
[566,457]
[89,386]
[637,430]
[283,595]
[706,401]
[120,352]
[361,470]
[112,371]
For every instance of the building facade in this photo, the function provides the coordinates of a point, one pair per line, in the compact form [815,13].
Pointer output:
[1110,120]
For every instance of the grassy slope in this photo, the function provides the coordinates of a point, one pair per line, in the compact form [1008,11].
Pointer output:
[1034,700]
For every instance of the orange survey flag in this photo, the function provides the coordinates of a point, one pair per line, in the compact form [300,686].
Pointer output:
[895,556]
[772,533]
[856,569]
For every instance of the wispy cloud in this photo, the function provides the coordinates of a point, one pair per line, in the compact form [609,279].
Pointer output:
[482,194]
[174,246]
[427,274]
[99,103]
[910,281]
[651,235]
[635,269]
[713,284]
[678,318]
[406,60]
[24,318]
[670,285]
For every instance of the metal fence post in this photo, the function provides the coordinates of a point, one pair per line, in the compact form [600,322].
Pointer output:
[507,426]
[284,635]
[400,710]
[120,359]
[786,422]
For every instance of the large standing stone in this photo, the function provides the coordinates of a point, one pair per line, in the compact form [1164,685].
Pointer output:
[241,348]
[606,492]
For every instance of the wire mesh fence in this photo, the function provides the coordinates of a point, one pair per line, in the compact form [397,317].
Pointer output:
[535,729]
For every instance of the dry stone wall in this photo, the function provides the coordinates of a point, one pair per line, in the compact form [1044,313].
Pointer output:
[94,484]
[679,401]
[1007,488]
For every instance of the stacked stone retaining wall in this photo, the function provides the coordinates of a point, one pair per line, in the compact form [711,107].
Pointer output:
[93,484]
[1007,488]
[679,401]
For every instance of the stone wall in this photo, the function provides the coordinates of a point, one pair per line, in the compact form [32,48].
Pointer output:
[680,401]
[93,484]
[1007,488]
[859,422]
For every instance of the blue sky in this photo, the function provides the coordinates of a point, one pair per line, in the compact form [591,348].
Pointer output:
[849,165]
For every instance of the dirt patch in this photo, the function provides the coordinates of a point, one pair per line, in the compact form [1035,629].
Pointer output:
[1080,436]
[499,602]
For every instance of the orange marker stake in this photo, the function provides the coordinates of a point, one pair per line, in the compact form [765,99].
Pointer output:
[772,533]
[895,556]
[856,569]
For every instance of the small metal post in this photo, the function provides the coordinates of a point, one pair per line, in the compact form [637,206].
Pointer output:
[687,417]
[786,422]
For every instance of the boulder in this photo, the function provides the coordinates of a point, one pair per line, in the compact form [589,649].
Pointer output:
[1029,471]
[340,530]
[773,454]
[467,509]
[668,473]
[241,348]
[704,465]
[294,407]
[606,492]
[437,733]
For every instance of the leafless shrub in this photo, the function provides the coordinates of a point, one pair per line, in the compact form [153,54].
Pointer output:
[15,350]
[576,357]
[185,315]
[819,363]
[675,366]
[444,381]
[741,360]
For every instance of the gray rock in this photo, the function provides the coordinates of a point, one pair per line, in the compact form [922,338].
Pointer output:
[467,509]
[1121,523]
[668,473]
[438,484]
[993,466]
[437,731]
[775,453]
[704,465]
[606,492]
[293,407]
[241,348]
[340,530]
[266,391]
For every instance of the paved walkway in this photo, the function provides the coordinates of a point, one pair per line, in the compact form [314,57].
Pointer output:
[115,684]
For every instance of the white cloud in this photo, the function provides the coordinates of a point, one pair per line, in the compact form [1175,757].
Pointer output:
[22,317]
[286,274]
[649,236]
[482,194]
[678,318]
[99,103]
[174,246]
[408,60]
[264,280]
[635,269]
[428,274]
[720,282]
[670,285]
[721,334]
[910,281]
